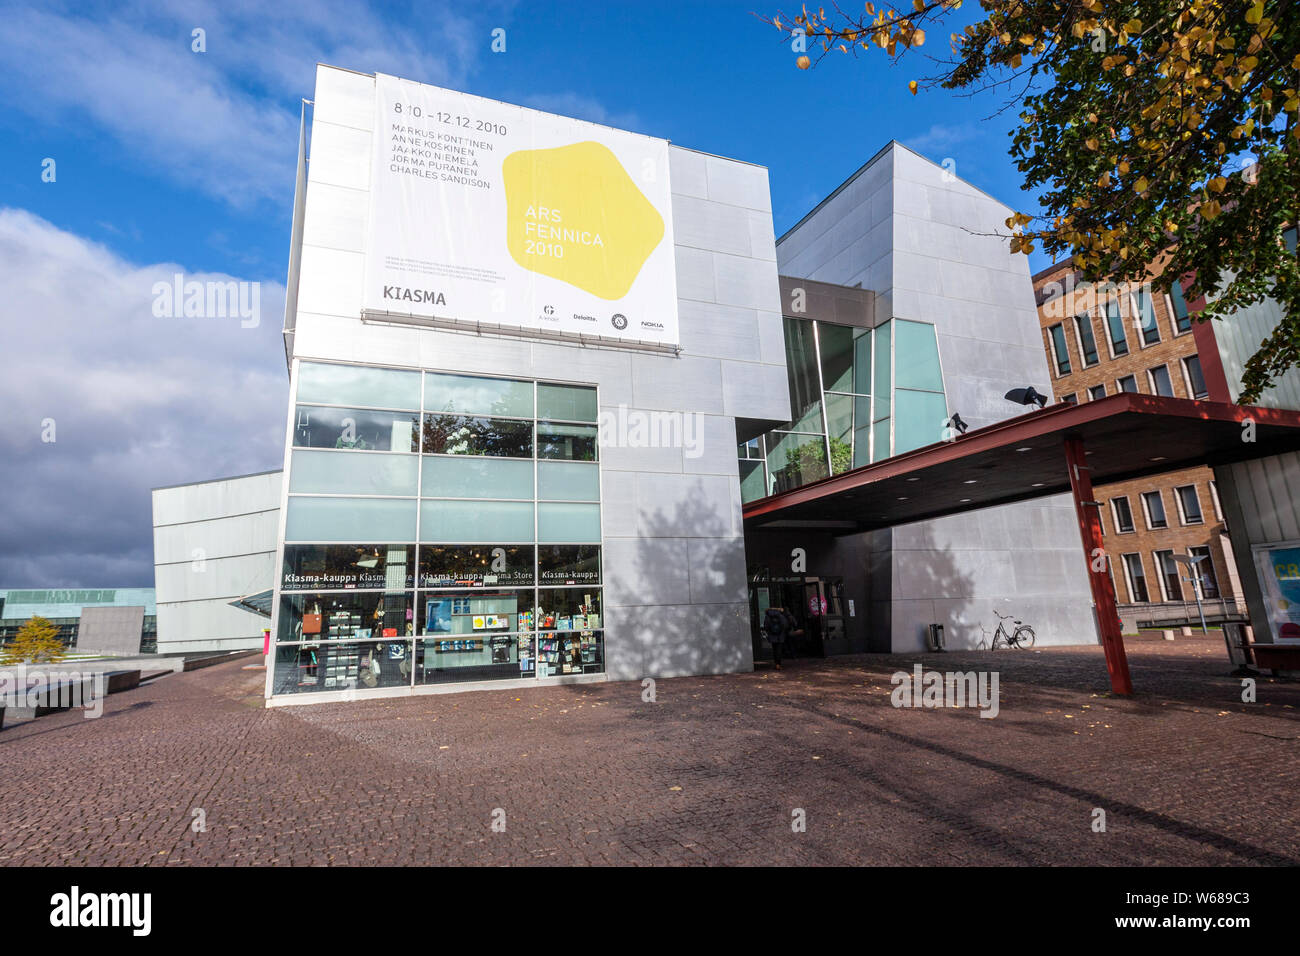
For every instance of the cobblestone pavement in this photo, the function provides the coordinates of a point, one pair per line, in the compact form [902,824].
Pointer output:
[710,773]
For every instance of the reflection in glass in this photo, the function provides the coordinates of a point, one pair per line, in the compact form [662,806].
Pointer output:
[465,435]
[353,428]
[794,460]
[324,567]
[801,365]
[476,565]
[753,481]
[475,395]
[343,665]
[358,385]
[567,442]
[314,617]
[568,564]
[846,358]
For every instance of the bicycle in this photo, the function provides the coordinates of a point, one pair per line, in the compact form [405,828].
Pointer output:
[1022,637]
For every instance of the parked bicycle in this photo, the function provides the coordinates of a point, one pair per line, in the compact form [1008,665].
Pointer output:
[1022,636]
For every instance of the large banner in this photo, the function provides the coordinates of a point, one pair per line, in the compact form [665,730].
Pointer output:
[485,212]
[1279,573]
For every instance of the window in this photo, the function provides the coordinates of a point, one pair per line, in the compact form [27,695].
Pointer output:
[1161,384]
[1169,575]
[489,561]
[1155,508]
[1205,570]
[356,429]
[1137,580]
[1189,504]
[1195,379]
[1070,399]
[1115,325]
[1057,334]
[1087,342]
[1146,317]
[1096,392]
[1123,515]
[1182,318]
[1127,384]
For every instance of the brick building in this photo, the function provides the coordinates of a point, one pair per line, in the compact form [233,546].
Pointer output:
[1102,339]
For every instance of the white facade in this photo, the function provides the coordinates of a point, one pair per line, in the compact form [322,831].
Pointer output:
[919,237]
[674,565]
[214,542]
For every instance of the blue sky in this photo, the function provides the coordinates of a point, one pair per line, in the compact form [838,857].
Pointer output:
[169,160]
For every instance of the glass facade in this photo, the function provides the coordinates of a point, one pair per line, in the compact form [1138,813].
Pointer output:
[856,396]
[439,528]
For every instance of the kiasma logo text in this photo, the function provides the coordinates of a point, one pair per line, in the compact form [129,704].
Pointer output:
[75,909]
[426,296]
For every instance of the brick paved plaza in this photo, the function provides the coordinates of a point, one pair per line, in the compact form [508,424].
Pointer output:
[710,773]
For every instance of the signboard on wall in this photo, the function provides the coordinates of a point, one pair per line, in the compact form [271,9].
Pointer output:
[1279,577]
[483,212]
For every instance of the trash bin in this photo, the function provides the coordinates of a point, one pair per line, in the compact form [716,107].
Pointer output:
[934,637]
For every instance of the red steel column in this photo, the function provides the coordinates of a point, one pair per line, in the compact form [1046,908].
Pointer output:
[1103,592]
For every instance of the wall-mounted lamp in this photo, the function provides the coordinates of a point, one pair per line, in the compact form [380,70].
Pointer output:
[1026,396]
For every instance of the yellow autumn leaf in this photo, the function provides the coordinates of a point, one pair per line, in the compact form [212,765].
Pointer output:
[1255,13]
[918,5]
[918,38]
[1141,185]
[1217,184]
[803,62]
[1091,143]
[1211,209]
[1133,26]
[912,86]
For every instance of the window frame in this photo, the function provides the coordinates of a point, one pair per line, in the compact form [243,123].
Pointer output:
[1151,380]
[1182,508]
[1128,506]
[1144,497]
[1057,347]
[1129,577]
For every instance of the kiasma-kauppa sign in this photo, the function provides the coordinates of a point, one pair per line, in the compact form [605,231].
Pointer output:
[485,212]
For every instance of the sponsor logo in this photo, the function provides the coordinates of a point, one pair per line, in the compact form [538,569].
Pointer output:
[652,325]
[619,321]
[425,296]
[583,318]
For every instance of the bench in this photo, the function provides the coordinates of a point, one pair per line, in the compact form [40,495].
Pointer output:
[1277,657]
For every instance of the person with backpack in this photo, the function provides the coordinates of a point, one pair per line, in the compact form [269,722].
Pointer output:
[777,627]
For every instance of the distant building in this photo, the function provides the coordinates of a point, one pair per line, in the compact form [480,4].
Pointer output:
[88,619]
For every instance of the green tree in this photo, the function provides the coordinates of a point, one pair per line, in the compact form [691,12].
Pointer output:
[1161,135]
[37,642]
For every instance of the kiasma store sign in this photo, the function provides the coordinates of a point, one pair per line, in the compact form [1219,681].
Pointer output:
[483,212]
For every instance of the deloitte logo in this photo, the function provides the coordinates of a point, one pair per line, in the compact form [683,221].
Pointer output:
[619,321]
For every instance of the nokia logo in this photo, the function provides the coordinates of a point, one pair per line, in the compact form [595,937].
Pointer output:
[414,295]
[651,325]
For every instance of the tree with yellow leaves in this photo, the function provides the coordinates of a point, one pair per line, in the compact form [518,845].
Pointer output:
[1161,134]
[37,642]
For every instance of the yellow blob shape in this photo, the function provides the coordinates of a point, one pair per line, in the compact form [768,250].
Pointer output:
[574,214]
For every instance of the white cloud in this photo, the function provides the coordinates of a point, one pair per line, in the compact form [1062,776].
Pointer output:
[226,120]
[137,402]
